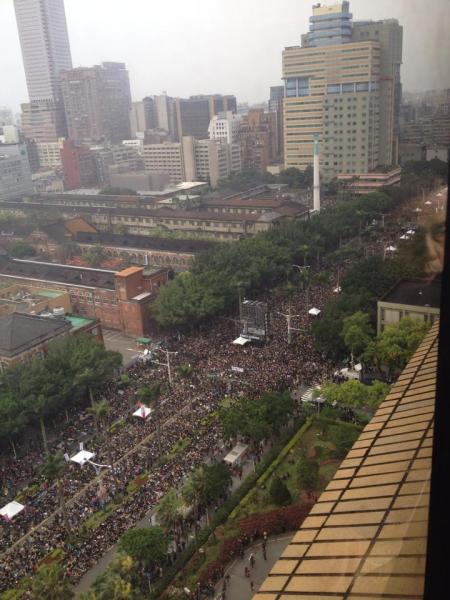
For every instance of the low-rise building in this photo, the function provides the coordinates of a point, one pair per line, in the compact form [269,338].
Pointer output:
[33,300]
[24,336]
[118,299]
[365,183]
[413,298]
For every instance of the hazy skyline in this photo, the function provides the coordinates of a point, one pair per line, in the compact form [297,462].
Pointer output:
[190,47]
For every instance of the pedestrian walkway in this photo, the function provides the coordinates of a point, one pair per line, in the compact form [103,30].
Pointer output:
[239,586]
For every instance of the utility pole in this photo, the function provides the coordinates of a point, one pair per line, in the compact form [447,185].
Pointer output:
[166,364]
[289,316]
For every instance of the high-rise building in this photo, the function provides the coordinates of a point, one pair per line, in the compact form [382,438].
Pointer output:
[166,113]
[46,52]
[195,113]
[6,116]
[275,105]
[342,85]
[97,103]
[166,158]
[15,174]
[225,127]
[258,139]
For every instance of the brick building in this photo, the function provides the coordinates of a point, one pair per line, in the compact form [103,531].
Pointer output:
[79,167]
[258,138]
[119,300]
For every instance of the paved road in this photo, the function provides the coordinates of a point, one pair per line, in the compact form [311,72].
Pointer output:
[238,587]
[115,340]
[88,579]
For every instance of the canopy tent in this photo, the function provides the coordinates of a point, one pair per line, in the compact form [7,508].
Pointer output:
[410,232]
[314,311]
[404,237]
[143,340]
[241,341]
[358,367]
[82,457]
[142,412]
[439,195]
[11,509]
[350,373]
[391,249]
[308,396]
[337,290]
[236,454]
[428,203]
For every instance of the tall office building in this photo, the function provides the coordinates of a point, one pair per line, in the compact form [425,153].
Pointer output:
[195,113]
[46,52]
[342,85]
[97,102]
[225,127]
[15,174]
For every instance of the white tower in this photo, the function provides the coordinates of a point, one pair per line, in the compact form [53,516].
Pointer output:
[316,187]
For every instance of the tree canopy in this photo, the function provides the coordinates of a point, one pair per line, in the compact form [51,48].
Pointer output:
[147,545]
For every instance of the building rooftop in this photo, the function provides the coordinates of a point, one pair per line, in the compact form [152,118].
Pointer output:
[77,322]
[129,271]
[366,536]
[20,332]
[145,241]
[42,271]
[415,292]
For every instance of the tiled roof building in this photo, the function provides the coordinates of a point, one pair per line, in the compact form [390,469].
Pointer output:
[366,536]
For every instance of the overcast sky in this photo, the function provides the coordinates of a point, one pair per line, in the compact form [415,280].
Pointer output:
[209,46]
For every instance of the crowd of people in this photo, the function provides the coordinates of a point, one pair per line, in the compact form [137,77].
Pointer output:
[184,413]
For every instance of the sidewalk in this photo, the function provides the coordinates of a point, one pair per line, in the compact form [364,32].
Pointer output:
[238,587]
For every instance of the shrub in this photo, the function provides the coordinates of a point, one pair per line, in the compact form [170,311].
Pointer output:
[279,492]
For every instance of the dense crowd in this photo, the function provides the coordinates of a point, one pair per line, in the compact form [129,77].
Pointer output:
[131,442]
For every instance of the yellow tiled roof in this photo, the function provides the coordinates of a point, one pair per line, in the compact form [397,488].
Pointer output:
[366,536]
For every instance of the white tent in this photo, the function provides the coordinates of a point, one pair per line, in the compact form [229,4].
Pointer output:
[11,510]
[410,232]
[82,456]
[241,341]
[337,290]
[439,195]
[404,237]
[236,454]
[428,203]
[314,312]
[142,412]
[391,249]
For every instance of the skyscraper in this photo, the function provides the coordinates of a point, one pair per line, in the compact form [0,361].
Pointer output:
[275,105]
[97,102]
[46,52]
[343,86]
[195,113]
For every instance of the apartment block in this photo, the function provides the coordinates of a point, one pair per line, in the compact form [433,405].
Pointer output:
[258,139]
[97,102]
[49,154]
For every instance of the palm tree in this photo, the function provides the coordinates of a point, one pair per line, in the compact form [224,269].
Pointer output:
[50,583]
[169,510]
[150,396]
[304,249]
[185,371]
[53,469]
[100,410]
[194,489]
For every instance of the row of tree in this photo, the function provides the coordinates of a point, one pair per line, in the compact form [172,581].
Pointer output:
[255,419]
[74,366]
[260,263]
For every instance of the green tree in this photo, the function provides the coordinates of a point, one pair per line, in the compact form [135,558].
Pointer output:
[277,408]
[394,347]
[279,492]
[357,333]
[100,410]
[169,511]
[95,256]
[145,545]
[343,437]
[53,469]
[120,581]
[246,417]
[185,371]
[195,488]
[70,249]
[308,474]
[21,249]
[50,583]
[218,479]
